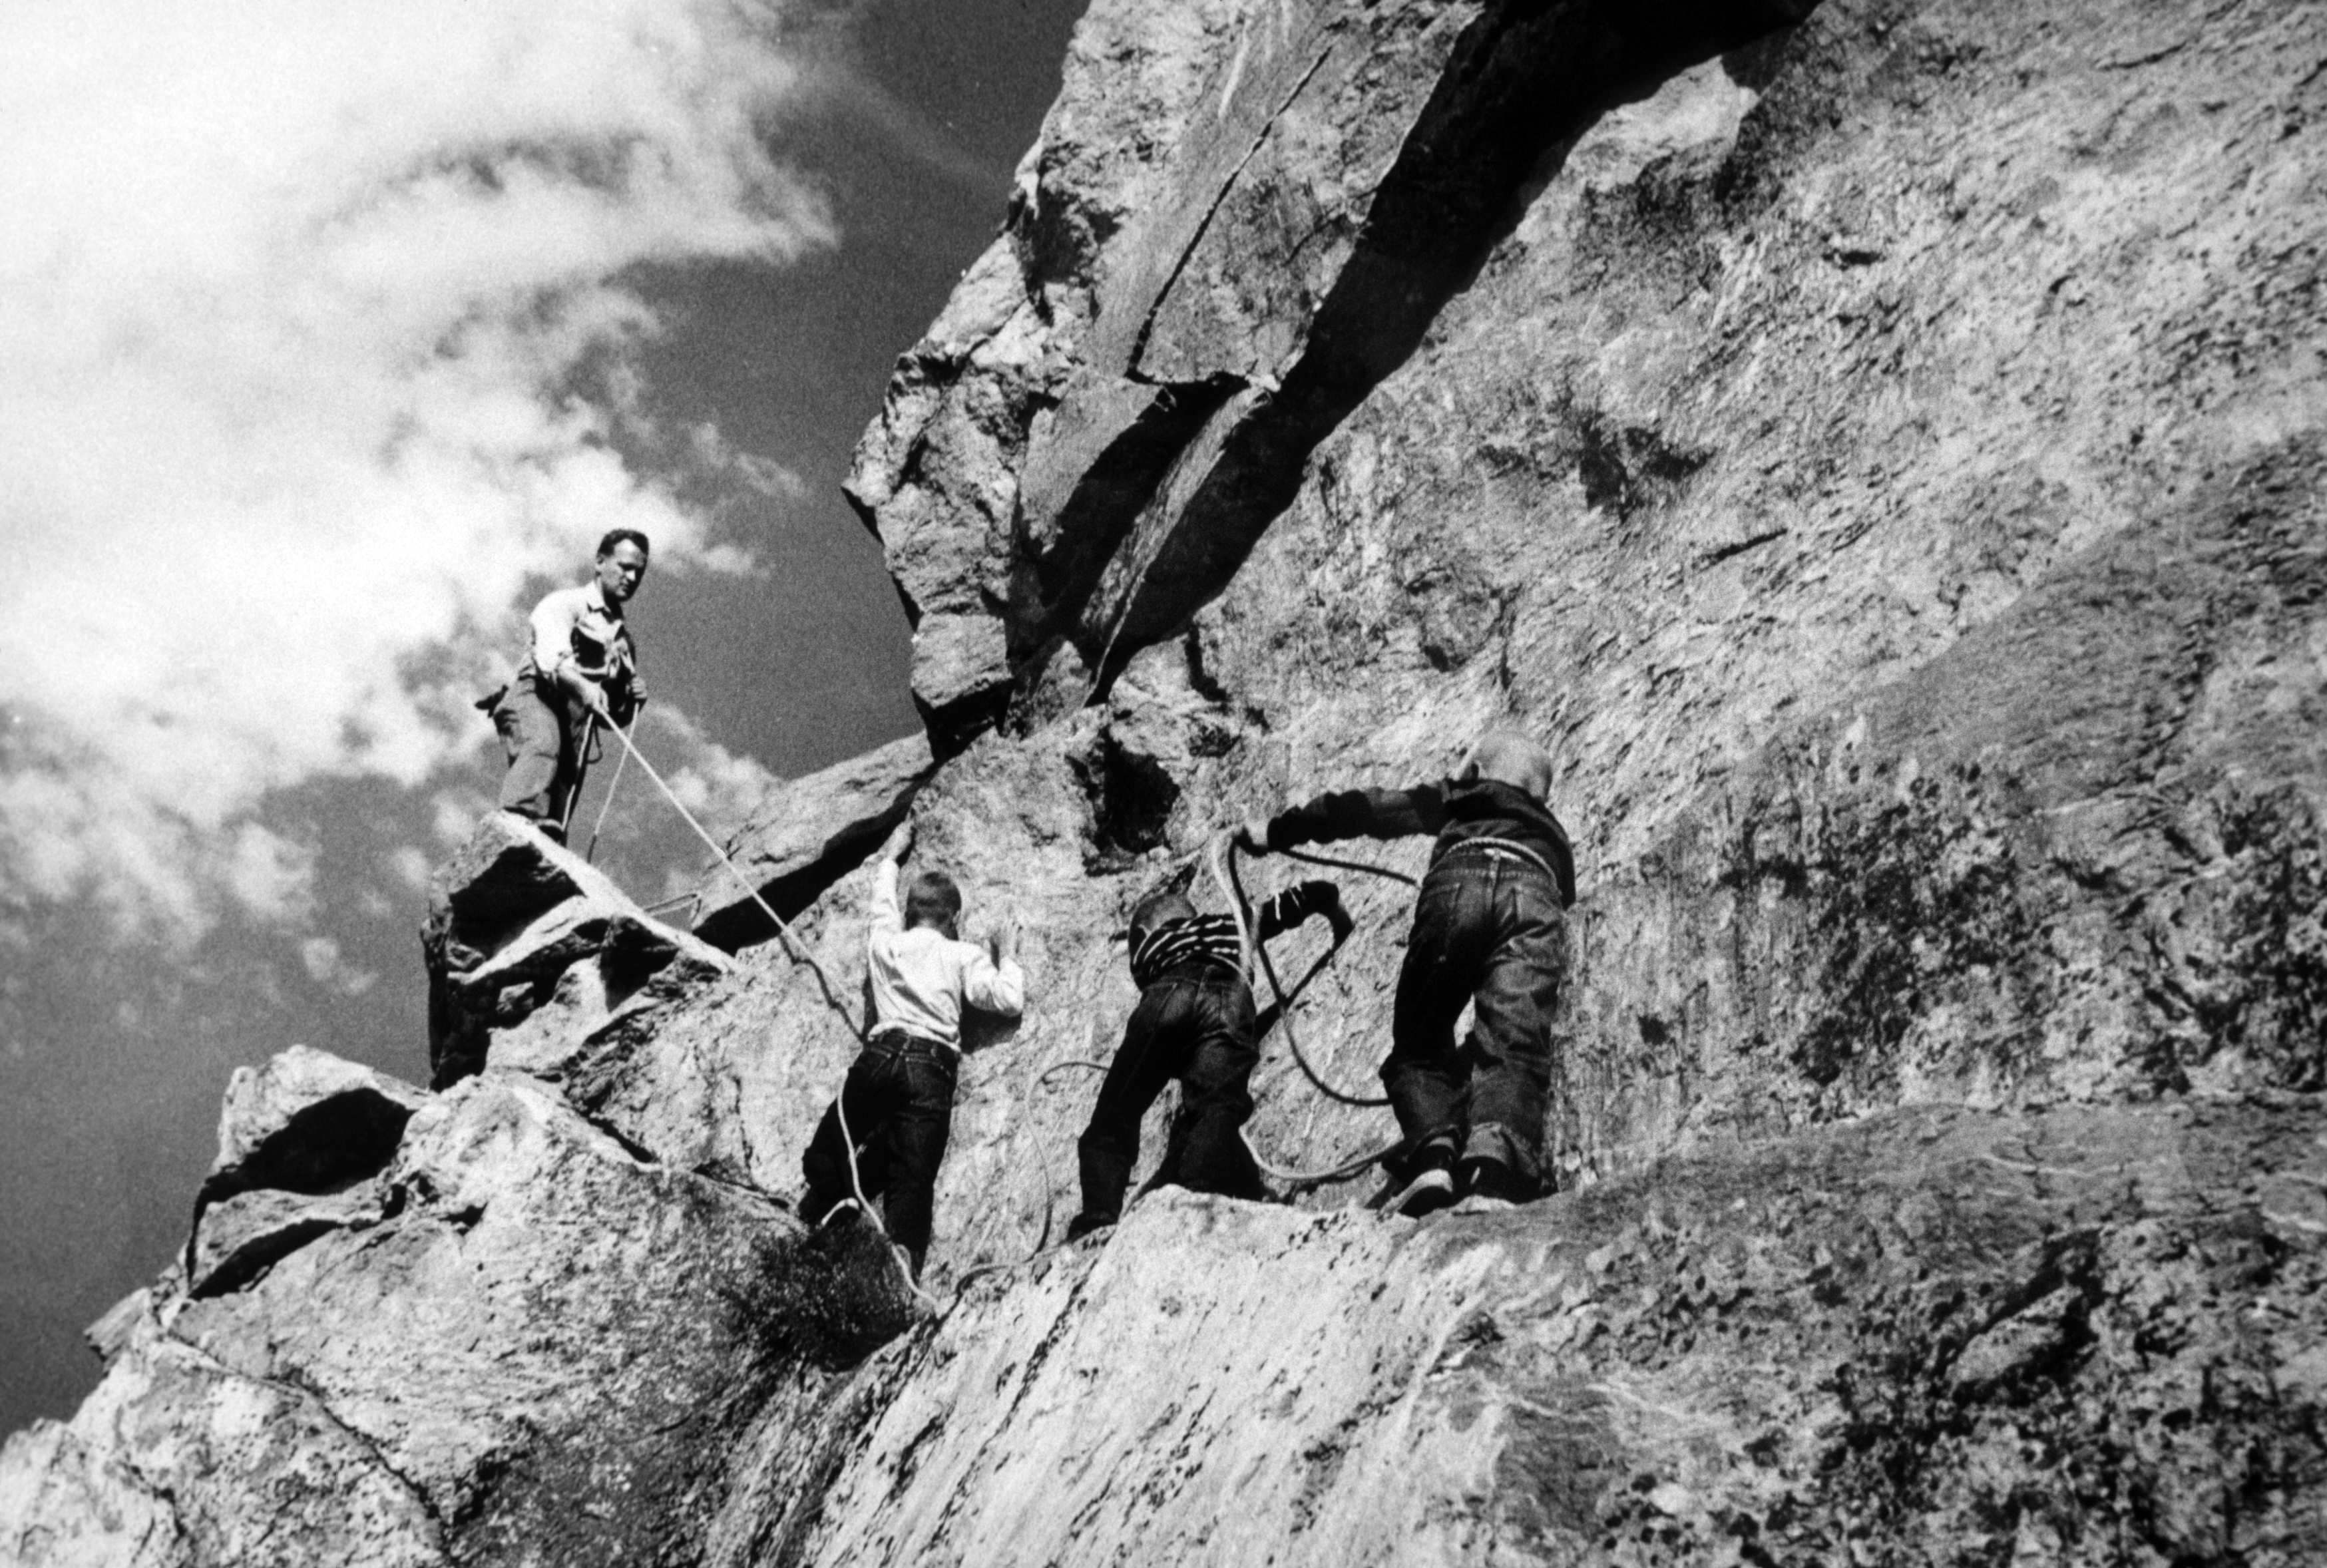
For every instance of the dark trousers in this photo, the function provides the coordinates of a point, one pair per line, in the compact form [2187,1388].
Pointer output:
[898,1096]
[539,733]
[1489,930]
[1194,1024]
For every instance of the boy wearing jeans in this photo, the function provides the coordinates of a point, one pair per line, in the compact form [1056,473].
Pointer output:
[898,1093]
[1195,1022]
[1490,928]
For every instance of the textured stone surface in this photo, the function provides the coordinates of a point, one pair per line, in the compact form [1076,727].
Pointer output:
[1939,1335]
[937,475]
[808,833]
[300,1140]
[1882,460]
[311,1118]
[524,1356]
[529,949]
[1899,772]
[1932,661]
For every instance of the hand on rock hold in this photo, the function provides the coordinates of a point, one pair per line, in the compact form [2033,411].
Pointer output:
[1252,838]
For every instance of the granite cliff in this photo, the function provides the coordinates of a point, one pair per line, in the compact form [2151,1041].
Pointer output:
[1878,446]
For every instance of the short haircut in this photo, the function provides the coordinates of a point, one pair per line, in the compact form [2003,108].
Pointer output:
[933,899]
[1514,759]
[1159,910]
[623,537]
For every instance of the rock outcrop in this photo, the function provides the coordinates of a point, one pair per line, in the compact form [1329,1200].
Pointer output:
[533,953]
[487,1363]
[1879,448]
[301,1141]
[808,831]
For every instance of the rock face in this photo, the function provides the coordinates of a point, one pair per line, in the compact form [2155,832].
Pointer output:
[489,1363]
[808,831]
[531,952]
[1879,450]
[1978,1337]
[300,1144]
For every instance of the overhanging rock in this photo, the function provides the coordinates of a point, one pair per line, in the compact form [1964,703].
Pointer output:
[809,833]
[530,949]
[299,1142]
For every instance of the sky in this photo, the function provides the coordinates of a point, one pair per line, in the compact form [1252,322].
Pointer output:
[335,336]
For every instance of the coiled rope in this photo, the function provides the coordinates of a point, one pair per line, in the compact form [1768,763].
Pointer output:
[1224,853]
[798,952]
[1232,884]
[1223,868]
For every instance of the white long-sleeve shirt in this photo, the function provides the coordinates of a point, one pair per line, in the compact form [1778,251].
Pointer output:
[922,977]
[577,625]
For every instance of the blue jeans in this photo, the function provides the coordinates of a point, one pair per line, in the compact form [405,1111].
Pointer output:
[1489,929]
[1194,1024]
[898,1096]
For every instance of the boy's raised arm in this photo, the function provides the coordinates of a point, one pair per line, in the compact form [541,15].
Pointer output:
[1348,814]
[888,914]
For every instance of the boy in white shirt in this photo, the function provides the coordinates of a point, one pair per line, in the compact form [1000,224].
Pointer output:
[898,1093]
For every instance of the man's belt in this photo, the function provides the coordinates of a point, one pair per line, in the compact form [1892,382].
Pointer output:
[1506,849]
[892,1037]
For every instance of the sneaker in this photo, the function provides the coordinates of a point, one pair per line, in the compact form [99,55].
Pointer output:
[1479,1203]
[1084,1224]
[1428,1193]
[1490,1182]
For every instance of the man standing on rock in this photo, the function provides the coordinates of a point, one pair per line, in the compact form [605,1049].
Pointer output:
[580,666]
[1490,928]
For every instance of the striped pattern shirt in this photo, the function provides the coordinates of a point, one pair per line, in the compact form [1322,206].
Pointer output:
[1212,938]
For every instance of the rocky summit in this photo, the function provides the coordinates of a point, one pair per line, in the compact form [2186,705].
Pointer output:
[1878,446]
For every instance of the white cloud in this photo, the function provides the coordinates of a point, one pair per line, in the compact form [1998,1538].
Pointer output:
[327,966]
[647,846]
[293,300]
[719,787]
[407,865]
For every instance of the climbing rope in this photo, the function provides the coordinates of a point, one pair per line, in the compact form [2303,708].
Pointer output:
[1370,869]
[574,794]
[798,951]
[1224,853]
[1223,867]
[1232,884]
[591,854]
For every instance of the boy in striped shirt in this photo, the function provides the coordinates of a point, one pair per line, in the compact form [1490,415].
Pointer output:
[1195,1022]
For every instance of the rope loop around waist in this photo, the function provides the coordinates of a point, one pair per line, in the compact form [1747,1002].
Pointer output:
[1499,849]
